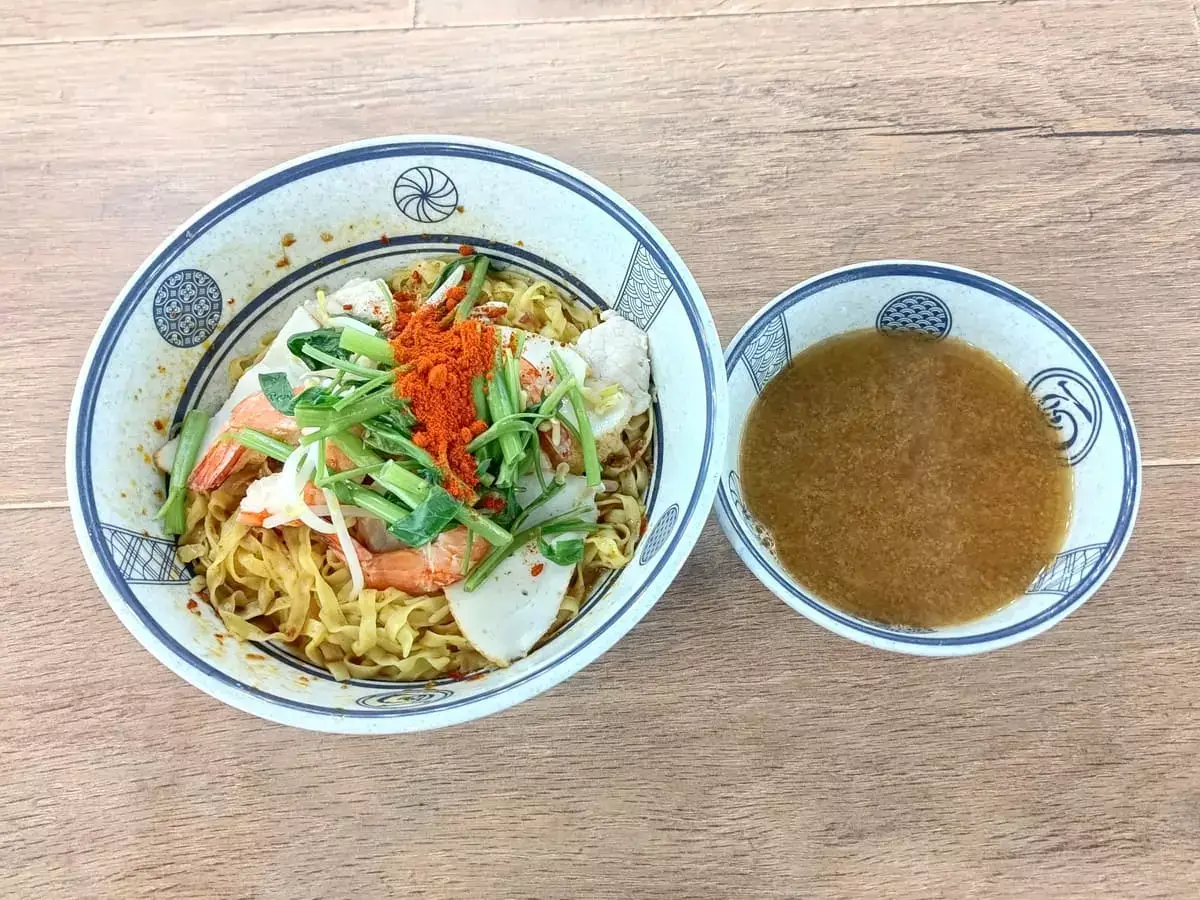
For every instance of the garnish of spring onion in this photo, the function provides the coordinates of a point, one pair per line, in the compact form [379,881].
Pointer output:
[352,324]
[587,442]
[478,277]
[368,344]
[556,525]
[173,512]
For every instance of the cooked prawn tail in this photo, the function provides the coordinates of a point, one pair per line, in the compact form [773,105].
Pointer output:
[225,456]
[416,571]
[532,380]
[221,460]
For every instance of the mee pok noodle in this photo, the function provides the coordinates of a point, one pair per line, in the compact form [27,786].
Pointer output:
[290,584]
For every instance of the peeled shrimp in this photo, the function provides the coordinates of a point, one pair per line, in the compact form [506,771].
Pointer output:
[224,457]
[535,381]
[418,570]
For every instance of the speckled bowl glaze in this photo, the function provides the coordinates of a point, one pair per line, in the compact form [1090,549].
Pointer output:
[1064,373]
[235,271]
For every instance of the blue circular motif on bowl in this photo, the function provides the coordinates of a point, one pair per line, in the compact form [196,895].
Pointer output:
[916,311]
[425,194]
[411,697]
[657,538]
[1073,406]
[187,307]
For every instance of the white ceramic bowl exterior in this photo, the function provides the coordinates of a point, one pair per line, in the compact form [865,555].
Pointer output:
[225,278]
[1073,386]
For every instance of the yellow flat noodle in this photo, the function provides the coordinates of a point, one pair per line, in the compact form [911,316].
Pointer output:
[283,585]
[366,623]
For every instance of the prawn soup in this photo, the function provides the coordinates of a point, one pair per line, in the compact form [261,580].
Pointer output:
[909,481]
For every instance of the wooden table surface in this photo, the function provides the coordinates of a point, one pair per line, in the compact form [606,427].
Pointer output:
[726,747]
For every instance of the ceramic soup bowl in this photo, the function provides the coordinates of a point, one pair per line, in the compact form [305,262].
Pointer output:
[1064,374]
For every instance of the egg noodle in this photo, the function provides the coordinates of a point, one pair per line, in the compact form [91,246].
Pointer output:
[283,584]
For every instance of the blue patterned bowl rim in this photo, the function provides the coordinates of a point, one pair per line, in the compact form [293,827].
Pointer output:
[201,673]
[919,644]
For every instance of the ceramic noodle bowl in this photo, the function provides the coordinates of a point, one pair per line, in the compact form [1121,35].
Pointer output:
[228,276]
[1072,385]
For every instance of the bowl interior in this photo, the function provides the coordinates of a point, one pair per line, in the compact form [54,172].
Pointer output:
[1068,379]
[237,270]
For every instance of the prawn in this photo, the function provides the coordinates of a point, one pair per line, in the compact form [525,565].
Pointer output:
[416,571]
[225,456]
[536,383]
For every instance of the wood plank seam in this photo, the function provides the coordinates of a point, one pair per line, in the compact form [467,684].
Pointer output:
[1044,131]
[718,13]
[516,23]
[202,35]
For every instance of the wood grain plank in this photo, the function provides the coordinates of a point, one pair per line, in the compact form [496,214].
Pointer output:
[725,748]
[78,20]
[432,13]
[1048,149]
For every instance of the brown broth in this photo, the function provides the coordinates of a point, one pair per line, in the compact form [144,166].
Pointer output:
[905,480]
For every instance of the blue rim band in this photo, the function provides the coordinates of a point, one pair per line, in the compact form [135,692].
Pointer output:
[107,344]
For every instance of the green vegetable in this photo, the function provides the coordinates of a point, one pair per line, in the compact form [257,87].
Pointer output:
[466,562]
[371,346]
[565,551]
[278,390]
[478,277]
[173,512]
[512,371]
[480,398]
[348,474]
[357,452]
[383,380]
[551,401]
[587,443]
[411,487]
[413,490]
[450,269]
[365,498]
[329,422]
[566,527]
[508,425]
[512,448]
[547,492]
[262,443]
[399,417]
[427,520]
[394,443]
[325,340]
[406,485]
[520,539]
[314,398]
[348,368]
